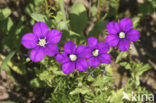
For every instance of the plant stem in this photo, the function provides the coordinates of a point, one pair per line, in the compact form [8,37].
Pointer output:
[46,6]
[63,12]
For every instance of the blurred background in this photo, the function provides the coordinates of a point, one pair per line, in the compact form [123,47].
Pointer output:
[17,18]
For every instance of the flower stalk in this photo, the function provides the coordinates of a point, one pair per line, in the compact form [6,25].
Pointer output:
[63,13]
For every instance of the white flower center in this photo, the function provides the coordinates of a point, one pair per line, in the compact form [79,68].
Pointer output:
[121,35]
[95,52]
[72,57]
[42,42]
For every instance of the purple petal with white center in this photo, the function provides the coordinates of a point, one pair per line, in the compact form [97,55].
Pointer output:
[81,64]
[62,58]
[37,54]
[81,51]
[112,40]
[51,49]
[29,40]
[92,42]
[105,58]
[68,67]
[103,47]
[133,35]
[126,24]
[93,61]
[40,29]
[124,45]
[70,47]
[54,36]
[113,28]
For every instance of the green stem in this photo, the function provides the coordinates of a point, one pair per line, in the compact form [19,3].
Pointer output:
[63,12]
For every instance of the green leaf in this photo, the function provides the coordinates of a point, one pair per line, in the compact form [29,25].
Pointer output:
[39,17]
[69,35]
[7,59]
[126,65]
[142,69]
[136,20]
[146,8]
[93,10]
[4,13]
[98,28]
[38,2]
[78,17]
[36,82]
[15,68]
[121,56]
[109,69]
[83,90]
[102,81]
[34,6]
[58,21]
[90,78]
[29,8]
[117,96]
[6,25]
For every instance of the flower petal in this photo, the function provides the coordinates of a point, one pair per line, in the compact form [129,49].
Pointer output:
[29,41]
[89,52]
[126,24]
[124,45]
[37,54]
[62,58]
[112,40]
[82,64]
[92,42]
[103,47]
[70,47]
[54,36]
[113,28]
[93,61]
[40,29]
[51,49]
[105,58]
[81,51]
[68,67]
[133,35]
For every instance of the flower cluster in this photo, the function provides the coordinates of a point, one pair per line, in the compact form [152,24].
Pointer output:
[44,41]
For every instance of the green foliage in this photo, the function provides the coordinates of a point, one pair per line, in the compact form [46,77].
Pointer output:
[137,69]
[39,17]
[116,96]
[83,90]
[58,21]
[37,83]
[93,10]
[121,56]
[148,7]
[78,17]
[4,13]
[33,6]
[98,28]
[6,60]
[6,25]
[153,2]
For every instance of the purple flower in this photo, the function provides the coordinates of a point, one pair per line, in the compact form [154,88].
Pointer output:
[97,52]
[121,34]
[42,41]
[73,58]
